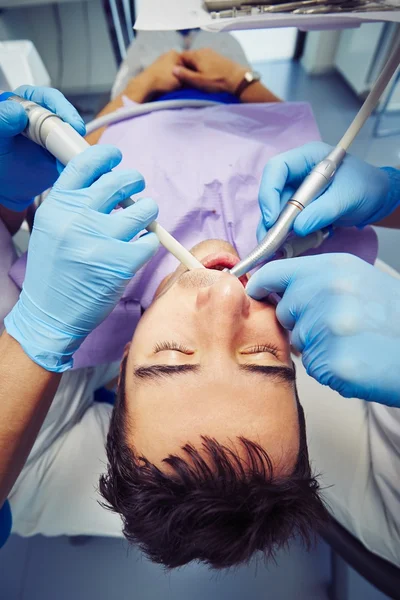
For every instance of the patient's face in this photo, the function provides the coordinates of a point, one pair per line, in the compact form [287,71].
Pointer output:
[206,359]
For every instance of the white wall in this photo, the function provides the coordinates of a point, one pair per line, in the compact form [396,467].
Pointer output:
[319,52]
[81,59]
[267,44]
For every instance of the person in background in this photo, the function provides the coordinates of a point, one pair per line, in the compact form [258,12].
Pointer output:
[44,328]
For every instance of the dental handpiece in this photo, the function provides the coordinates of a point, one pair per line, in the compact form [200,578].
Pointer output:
[320,177]
[62,141]
[313,186]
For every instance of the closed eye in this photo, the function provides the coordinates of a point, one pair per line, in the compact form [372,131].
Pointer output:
[165,346]
[262,348]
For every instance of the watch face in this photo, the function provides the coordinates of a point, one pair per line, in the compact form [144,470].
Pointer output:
[251,76]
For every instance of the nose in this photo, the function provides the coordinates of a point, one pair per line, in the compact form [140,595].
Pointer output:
[224,302]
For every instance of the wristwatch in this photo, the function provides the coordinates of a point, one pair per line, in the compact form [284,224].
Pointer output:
[248,78]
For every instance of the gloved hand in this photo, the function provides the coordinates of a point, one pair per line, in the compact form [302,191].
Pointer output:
[359,194]
[26,169]
[345,320]
[79,258]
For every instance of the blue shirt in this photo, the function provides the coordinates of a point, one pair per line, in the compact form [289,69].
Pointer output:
[5,523]
[193,94]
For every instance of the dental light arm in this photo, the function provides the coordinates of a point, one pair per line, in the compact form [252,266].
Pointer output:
[319,178]
[62,141]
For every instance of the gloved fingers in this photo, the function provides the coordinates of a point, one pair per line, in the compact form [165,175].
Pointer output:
[139,252]
[273,181]
[275,276]
[128,222]
[13,121]
[307,328]
[288,311]
[297,338]
[261,228]
[261,231]
[54,101]
[326,209]
[289,168]
[86,168]
[112,188]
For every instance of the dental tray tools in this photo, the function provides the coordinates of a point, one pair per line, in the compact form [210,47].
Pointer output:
[62,141]
[243,8]
[319,178]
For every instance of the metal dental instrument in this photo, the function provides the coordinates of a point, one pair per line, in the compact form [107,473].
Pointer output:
[229,9]
[291,6]
[349,6]
[296,246]
[320,177]
[62,141]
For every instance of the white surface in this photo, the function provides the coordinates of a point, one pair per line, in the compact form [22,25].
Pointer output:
[274,44]
[81,59]
[21,64]
[355,55]
[319,52]
[189,14]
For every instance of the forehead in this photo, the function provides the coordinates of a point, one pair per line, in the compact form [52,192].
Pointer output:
[167,414]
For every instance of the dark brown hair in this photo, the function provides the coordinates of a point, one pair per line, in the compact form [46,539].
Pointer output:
[212,505]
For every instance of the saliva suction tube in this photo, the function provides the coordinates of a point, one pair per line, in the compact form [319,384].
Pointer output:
[62,141]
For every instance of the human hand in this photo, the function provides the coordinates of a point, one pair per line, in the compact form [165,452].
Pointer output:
[207,70]
[158,78]
[79,257]
[26,169]
[345,320]
[358,195]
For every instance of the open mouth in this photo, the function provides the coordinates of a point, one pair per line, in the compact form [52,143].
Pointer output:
[223,260]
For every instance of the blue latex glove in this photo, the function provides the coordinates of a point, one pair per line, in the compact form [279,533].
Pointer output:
[79,258]
[26,169]
[345,320]
[359,194]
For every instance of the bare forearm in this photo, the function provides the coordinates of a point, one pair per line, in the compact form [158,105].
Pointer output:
[26,393]
[257,92]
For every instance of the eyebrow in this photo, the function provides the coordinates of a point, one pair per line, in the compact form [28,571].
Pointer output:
[152,372]
[157,371]
[286,374]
